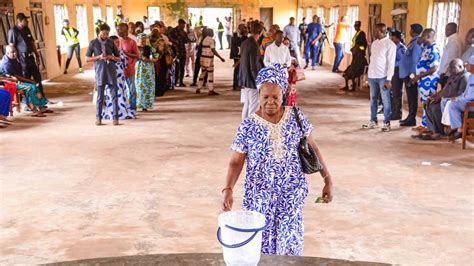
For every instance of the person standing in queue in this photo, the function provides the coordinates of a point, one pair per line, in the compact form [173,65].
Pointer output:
[73,45]
[21,38]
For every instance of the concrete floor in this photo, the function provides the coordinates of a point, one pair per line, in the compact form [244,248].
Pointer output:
[71,190]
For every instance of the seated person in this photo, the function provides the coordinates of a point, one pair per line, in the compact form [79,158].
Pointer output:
[5,103]
[435,105]
[10,67]
[456,108]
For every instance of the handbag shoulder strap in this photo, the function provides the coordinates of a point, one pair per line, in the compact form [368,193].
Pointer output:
[297,116]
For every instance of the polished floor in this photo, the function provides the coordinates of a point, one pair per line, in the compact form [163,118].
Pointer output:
[71,190]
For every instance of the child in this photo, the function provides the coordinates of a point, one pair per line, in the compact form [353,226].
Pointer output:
[124,110]
[292,77]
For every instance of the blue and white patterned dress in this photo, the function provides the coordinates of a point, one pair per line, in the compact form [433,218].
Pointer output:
[430,57]
[275,184]
[124,110]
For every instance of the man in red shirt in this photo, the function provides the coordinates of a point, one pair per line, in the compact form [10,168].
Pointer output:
[129,46]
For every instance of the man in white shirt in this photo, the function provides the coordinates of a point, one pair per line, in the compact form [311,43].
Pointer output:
[452,50]
[381,70]
[292,32]
[277,53]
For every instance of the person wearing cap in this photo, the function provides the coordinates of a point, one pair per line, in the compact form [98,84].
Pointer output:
[275,184]
[427,76]
[70,34]
[437,105]
[397,82]
[292,33]
[457,106]
[103,52]
[20,36]
[407,68]
[359,60]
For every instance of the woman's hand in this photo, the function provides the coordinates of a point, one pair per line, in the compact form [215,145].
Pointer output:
[327,190]
[227,201]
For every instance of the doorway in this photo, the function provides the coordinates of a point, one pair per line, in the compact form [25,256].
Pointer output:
[266,16]
[209,19]
[37,19]
[7,22]
[375,12]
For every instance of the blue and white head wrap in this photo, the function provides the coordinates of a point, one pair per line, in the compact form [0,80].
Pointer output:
[275,74]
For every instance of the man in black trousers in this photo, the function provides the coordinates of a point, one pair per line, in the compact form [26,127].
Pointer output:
[236,41]
[20,36]
[179,37]
[407,69]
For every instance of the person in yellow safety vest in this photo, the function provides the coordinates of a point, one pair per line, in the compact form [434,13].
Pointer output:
[98,24]
[220,32]
[73,44]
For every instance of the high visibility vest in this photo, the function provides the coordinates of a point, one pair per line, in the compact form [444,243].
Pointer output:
[71,35]
[220,28]
[362,48]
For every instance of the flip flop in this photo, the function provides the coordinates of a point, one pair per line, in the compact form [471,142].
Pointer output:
[38,115]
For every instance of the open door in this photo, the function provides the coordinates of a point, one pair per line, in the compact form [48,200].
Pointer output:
[6,22]
[375,12]
[266,16]
[37,29]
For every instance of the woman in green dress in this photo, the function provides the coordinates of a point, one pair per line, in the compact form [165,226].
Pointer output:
[145,74]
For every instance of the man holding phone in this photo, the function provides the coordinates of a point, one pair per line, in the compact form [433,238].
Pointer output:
[103,52]
[381,70]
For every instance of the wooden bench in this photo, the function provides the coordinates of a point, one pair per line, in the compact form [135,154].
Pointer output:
[468,124]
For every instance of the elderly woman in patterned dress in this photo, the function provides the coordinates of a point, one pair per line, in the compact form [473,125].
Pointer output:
[275,184]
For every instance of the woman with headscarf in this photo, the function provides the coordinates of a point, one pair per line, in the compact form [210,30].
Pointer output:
[275,184]
[145,74]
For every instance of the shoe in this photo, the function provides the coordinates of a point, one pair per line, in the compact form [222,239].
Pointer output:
[403,120]
[116,122]
[407,123]
[370,125]
[212,93]
[80,70]
[386,127]
[187,76]
[98,122]
[344,89]
[394,118]
[65,72]
[313,68]
[306,66]
[198,91]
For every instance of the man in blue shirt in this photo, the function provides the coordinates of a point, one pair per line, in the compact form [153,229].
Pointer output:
[408,63]
[314,32]
[397,82]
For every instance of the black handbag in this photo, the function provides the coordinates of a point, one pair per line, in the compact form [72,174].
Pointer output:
[309,160]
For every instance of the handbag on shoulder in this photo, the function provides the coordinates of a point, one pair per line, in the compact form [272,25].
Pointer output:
[309,159]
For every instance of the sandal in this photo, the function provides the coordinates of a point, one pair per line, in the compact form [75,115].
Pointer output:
[38,115]
[47,111]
